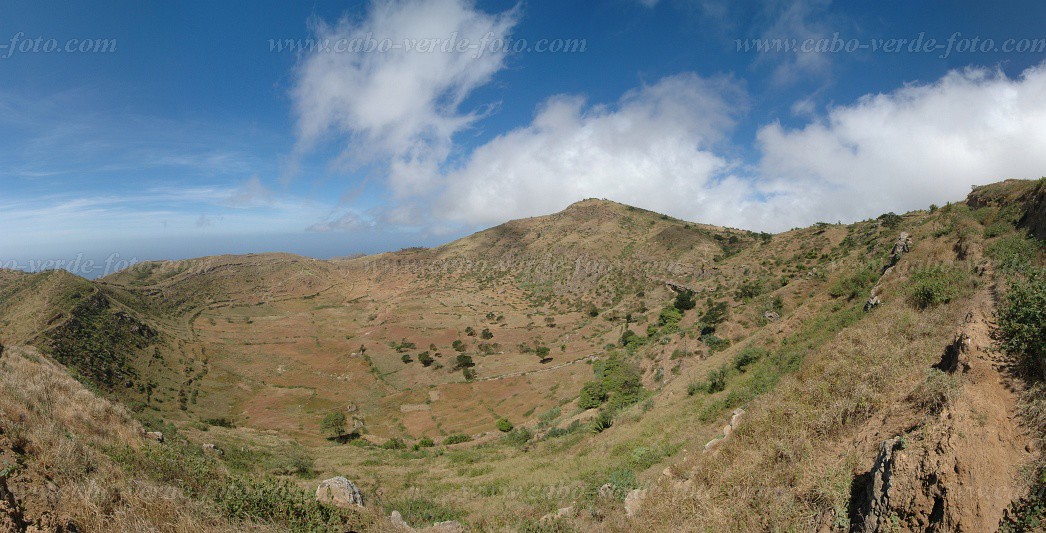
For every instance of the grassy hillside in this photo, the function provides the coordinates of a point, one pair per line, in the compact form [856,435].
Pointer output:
[717,379]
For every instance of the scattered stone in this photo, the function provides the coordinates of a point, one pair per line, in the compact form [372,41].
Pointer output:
[154,435]
[634,501]
[210,448]
[339,492]
[450,526]
[398,522]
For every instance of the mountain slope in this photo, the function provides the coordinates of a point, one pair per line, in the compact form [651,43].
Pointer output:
[617,341]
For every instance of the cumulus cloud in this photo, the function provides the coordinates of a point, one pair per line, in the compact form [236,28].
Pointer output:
[906,149]
[399,107]
[656,147]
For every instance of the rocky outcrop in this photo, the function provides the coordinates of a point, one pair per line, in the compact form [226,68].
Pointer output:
[956,355]
[735,420]
[870,496]
[339,492]
[154,435]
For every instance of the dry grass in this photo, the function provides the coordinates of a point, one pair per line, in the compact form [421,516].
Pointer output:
[57,431]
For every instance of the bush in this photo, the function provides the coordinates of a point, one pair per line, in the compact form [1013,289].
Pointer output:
[333,425]
[1014,252]
[503,425]
[426,442]
[394,444]
[406,358]
[855,285]
[518,436]
[685,300]
[714,343]
[593,394]
[456,438]
[486,334]
[890,220]
[932,286]
[602,422]
[425,358]
[748,356]
[716,380]
[1021,323]
[463,361]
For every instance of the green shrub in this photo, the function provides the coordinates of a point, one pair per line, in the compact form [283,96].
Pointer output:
[932,286]
[714,343]
[220,422]
[333,425]
[456,438]
[685,300]
[1014,252]
[394,444]
[425,358]
[890,220]
[278,501]
[503,425]
[747,356]
[602,422]
[593,394]
[1021,323]
[855,285]
[716,380]
[518,436]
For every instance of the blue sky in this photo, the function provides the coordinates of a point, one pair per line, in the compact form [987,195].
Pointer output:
[194,137]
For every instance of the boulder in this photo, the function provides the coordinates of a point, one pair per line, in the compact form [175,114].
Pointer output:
[339,492]
[872,303]
[772,316]
[154,435]
[634,501]
[606,491]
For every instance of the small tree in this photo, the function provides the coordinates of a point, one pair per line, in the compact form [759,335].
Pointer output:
[333,424]
[463,361]
[425,358]
[458,345]
[486,334]
[406,358]
[685,300]
[470,331]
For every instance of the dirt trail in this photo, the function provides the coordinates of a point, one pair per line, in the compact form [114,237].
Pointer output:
[961,469]
[988,443]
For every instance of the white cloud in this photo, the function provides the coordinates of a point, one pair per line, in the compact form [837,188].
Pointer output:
[662,147]
[918,145]
[399,107]
[655,148]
